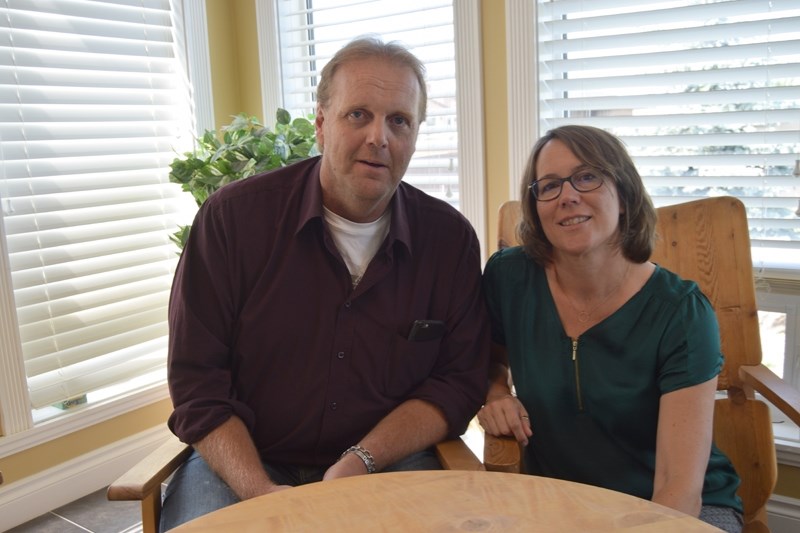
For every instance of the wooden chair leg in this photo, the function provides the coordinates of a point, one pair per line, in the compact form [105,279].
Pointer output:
[151,512]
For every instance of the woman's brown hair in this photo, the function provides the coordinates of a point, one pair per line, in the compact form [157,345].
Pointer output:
[605,153]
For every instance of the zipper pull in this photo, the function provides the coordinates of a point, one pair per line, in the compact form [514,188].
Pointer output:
[574,349]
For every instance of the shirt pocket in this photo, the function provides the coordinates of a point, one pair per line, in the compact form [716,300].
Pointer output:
[409,364]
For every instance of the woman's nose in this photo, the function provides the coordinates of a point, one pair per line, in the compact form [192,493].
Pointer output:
[569,193]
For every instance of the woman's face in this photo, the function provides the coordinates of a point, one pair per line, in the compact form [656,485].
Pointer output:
[577,223]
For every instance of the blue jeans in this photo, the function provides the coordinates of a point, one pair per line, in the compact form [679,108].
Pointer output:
[195,490]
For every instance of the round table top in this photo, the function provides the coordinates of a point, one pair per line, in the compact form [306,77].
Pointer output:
[446,501]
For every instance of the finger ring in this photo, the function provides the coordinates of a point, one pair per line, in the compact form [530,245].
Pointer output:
[523,416]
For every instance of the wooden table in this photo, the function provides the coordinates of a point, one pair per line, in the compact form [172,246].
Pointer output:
[445,501]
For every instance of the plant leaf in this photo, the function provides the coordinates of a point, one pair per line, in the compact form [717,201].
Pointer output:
[282,116]
[241,149]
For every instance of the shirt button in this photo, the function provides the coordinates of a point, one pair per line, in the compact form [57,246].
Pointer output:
[333,406]
[340,355]
[347,304]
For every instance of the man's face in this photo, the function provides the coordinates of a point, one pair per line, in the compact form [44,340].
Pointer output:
[367,133]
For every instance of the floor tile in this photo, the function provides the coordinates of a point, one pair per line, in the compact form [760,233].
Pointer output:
[133,529]
[98,515]
[48,523]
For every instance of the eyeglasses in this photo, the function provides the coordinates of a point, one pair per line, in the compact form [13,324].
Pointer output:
[547,189]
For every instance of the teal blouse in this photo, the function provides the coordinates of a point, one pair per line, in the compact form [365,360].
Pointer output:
[593,401]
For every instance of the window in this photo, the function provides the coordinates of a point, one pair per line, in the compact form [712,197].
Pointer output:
[96,105]
[779,318]
[448,160]
[780,323]
[706,95]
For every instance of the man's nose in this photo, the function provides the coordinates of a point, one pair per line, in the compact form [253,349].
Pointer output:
[377,134]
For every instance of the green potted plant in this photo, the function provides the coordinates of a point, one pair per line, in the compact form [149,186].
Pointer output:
[243,148]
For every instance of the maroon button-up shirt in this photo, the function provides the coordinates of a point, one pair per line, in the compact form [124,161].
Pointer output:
[265,323]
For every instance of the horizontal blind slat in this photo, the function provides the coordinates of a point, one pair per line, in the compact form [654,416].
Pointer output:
[104,370]
[103,268]
[76,329]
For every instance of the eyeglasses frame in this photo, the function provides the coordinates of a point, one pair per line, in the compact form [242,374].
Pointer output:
[568,179]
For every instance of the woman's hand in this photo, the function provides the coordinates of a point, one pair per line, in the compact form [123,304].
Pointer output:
[505,415]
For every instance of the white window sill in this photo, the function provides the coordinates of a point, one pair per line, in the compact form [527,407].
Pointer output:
[81,418]
[788,452]
[787,440]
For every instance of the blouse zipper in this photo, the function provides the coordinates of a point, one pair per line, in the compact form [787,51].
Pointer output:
[577,373]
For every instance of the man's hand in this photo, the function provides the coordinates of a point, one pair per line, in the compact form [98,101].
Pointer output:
[278,488]
[231,454]
[349,465]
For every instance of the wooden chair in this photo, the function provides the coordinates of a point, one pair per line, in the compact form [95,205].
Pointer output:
[708,241]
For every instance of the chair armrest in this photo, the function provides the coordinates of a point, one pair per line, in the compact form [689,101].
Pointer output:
[778,392]
[456,455]
[502,454]
[148,474]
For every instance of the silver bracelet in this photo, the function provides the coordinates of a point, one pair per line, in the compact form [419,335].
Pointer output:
[362,454]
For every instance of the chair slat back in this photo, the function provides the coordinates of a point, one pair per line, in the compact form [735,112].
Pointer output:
[509,215]
[708,241]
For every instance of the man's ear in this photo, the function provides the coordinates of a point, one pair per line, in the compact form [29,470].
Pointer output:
[318,120]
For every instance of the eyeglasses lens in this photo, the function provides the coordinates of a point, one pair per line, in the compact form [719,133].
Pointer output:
[547,189]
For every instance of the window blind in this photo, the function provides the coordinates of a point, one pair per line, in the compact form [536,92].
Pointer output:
[705,94]
[312,31]
[95,105]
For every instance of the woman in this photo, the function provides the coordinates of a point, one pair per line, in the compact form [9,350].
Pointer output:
[614,359]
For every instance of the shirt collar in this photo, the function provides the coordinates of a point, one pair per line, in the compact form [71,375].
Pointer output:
[311,208]
[311,203]
[400,230]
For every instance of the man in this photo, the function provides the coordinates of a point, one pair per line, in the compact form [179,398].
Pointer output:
[294,354]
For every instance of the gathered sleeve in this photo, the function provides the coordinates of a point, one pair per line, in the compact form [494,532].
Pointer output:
[201,321]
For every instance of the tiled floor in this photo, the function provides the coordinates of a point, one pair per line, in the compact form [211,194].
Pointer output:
[92,513]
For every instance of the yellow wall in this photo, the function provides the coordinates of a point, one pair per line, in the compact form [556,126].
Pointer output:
[495,113]
[233,39]
[234,63]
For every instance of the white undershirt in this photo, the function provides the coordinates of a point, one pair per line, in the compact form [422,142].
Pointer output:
[357,243]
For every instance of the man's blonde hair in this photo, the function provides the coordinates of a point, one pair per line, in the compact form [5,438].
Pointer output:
[367,48]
